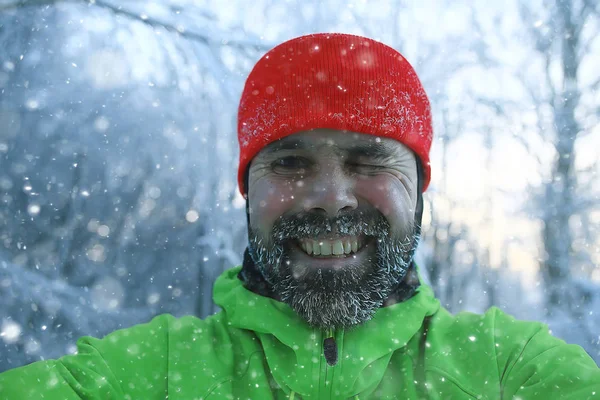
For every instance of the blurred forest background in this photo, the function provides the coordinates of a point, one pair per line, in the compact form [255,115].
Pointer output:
[118,155]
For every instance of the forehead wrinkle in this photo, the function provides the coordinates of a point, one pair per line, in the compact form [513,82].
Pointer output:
[365,148]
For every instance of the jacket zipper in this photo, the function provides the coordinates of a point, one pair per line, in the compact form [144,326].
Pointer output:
[330,353]
[330,348]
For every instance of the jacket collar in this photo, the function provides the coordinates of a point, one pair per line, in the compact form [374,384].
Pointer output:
[294,350]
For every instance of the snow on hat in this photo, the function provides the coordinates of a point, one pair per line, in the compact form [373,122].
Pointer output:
[335,81]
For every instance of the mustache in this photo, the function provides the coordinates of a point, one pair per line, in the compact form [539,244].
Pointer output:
[352,223]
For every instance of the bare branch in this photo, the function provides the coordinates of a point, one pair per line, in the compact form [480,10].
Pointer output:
[479,45]
[542,42]
[587,46]
[5,6]
[549,83]
[594,7]
[118,10]
[587,8]
[595,85]
[500,111]
[182,32]
[521,140]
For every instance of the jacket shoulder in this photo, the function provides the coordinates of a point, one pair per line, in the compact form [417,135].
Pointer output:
[490,327]
[188,355]
[100,368]
[532,363]
[494,351]
[137,362]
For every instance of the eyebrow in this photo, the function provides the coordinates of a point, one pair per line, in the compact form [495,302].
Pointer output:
[374,150]
[287,144]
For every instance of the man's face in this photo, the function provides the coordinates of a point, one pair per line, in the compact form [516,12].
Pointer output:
[332,222]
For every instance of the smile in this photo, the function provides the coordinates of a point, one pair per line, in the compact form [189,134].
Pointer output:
[332,247]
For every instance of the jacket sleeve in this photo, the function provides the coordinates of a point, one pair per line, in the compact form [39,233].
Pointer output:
[127,364]
[533,364]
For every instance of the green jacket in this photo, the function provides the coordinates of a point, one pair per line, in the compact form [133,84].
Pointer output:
[258,348]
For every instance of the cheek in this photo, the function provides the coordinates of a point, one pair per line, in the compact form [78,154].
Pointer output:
[388,195]
[269,199]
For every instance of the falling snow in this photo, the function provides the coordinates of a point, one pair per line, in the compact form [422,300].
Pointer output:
[118,156]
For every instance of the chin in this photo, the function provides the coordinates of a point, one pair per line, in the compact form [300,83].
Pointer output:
[332,293]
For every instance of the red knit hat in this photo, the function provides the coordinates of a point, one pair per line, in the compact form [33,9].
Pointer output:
[334,81]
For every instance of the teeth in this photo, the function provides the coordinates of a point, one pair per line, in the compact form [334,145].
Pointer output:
[316,249]
[330,247]
[337,248]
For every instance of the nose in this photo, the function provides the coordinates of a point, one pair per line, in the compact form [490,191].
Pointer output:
[332,192]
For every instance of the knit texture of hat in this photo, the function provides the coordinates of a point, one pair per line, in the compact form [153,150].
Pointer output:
[334,81]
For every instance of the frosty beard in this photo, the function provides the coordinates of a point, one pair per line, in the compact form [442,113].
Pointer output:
[334,298]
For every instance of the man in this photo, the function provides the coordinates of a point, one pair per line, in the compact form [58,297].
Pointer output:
[334,134]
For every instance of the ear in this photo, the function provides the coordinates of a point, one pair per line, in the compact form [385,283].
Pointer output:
[419,208]
[245,189]
[246,179]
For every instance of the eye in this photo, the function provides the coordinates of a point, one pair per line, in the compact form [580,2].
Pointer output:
[290,164]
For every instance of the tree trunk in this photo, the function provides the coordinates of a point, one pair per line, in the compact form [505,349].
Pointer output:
[559,191]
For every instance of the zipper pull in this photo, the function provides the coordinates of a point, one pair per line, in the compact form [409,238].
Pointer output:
[330,350]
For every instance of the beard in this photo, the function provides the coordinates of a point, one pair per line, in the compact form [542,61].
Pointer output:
[333,298]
